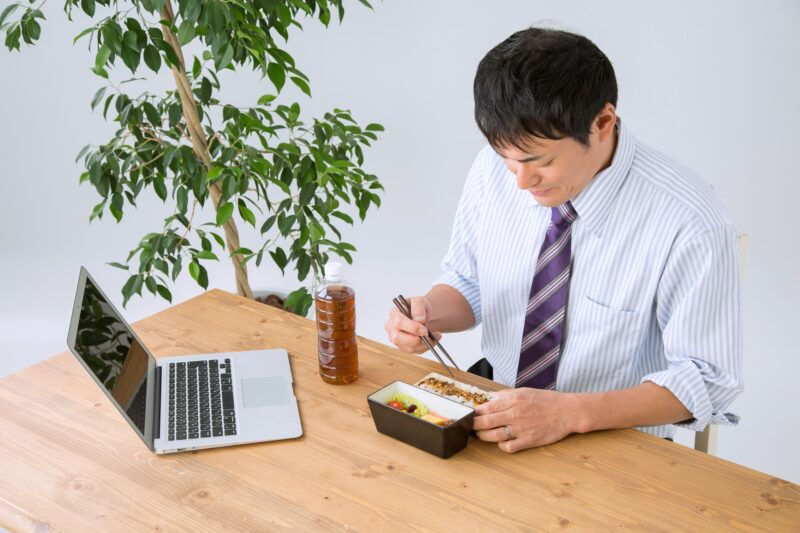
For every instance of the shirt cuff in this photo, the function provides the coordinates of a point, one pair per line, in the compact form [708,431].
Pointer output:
[686,383]
[469,289]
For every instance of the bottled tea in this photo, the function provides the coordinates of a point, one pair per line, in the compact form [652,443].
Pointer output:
[336,328]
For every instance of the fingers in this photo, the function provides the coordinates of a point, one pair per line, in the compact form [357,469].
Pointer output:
[502,401]
[493,435]
[419,311]
[405,333]
[513,445]
[492,420]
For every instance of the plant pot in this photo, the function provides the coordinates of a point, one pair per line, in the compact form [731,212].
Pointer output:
[275,297]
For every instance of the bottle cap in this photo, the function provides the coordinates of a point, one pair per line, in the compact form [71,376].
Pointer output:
[333,271]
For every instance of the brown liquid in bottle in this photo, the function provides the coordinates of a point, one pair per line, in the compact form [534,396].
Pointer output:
[336,334]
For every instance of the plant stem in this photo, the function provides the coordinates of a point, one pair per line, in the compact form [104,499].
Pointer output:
[200,146]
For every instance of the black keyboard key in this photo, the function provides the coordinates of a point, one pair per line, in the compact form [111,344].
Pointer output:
[227,399]
[217,432]
[204,434]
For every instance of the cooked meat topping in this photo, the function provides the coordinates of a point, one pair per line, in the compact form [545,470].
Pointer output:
[451,389]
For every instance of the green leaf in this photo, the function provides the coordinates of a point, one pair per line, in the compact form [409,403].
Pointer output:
[246,214]
[152,58]
[303,266]
[176,268]
[279,256]
[224,213]
[102,56]
[160,188]
[374,127]
[33,29]
[97,97]
[164,292]
[316,231]
[343,216]
[151,284]
[214,173]
[88,7]
[223,59]
[194,270]
[152,114]
[301,83]
[219,239]
[307,193]
[205,254]
[7,11]
[185,32]
[196,67]
[266,99]
[199,274]
[118,265]
[182,197]
[87,31]
[268,224]
[205,90]
[162,266]
[277,75]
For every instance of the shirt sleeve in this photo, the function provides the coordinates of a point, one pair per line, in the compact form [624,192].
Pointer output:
[698,310]
[460,264]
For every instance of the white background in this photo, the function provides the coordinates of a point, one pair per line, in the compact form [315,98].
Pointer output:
[714,84]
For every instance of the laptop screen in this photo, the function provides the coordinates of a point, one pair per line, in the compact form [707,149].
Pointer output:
[111,352]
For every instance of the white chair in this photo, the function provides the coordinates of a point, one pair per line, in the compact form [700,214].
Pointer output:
[706,440]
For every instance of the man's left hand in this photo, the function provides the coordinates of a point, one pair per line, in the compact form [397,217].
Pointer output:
[534,417]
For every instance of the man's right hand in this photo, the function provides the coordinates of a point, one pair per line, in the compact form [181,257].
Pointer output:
[404,332]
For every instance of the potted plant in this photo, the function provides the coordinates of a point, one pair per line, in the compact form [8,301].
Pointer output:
[263,165]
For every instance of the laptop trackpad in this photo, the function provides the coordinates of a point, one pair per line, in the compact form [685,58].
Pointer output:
[265,391]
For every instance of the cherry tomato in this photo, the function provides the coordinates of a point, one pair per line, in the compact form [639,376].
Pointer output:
[397,405]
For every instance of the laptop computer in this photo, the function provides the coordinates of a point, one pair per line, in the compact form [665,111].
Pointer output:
[185,402]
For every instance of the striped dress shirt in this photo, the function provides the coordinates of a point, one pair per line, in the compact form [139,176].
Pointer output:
[654,293]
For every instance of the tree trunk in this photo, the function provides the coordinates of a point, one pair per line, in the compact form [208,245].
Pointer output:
[200,147]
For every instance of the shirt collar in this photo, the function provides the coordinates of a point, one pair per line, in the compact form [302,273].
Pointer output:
[594,203]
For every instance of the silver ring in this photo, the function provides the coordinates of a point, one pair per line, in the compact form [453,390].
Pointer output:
[507,430]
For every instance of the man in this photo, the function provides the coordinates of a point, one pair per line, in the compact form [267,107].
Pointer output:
[605,274]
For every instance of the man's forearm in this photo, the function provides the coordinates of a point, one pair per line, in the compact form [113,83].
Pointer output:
[450,311]
[647,404]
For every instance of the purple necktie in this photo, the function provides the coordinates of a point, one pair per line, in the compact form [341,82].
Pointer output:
[547,305]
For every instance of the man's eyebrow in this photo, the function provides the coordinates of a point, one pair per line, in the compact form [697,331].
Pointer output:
[531,157]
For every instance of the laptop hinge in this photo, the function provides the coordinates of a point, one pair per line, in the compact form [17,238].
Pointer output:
[157,404]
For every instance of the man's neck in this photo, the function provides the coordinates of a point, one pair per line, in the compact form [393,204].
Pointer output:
[607,151]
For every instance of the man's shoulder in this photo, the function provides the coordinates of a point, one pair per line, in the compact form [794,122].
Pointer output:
[678,188]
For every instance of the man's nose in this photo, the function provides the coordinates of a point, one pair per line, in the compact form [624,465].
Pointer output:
[526,177]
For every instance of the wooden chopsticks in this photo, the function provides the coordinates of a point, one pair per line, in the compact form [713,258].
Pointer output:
[405,308]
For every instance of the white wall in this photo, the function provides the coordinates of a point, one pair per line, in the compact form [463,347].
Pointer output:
[715,84]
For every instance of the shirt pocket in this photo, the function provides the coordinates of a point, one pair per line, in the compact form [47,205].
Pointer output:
[602,340]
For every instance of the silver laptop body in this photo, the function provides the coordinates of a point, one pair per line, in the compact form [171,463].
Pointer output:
[186,402]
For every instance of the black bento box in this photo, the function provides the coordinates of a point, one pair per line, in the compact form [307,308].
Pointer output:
[442,441]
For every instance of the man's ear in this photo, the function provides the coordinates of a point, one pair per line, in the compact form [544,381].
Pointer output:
[604,122]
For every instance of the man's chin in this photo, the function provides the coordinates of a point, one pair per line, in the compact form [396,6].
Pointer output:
[547,200]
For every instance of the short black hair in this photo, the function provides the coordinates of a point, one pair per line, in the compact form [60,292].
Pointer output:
[543,83]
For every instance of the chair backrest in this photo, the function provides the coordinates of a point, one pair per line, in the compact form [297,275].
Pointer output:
[706,440]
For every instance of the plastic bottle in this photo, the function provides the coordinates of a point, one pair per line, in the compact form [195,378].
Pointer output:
[336,328]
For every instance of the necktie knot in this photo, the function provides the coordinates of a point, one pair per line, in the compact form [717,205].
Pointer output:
[563,215]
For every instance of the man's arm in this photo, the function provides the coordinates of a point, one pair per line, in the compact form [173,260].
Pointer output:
[449,310]
[537,417]
[647,404]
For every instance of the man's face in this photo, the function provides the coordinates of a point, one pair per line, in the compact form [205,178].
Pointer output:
[554,171]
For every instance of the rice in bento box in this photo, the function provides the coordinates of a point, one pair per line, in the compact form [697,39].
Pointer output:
[454,390]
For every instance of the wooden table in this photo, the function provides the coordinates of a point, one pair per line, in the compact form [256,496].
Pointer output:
[69,462]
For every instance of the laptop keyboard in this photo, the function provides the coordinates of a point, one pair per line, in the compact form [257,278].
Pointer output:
[201,400]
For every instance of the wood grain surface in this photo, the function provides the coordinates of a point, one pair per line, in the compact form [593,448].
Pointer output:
[68,461]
